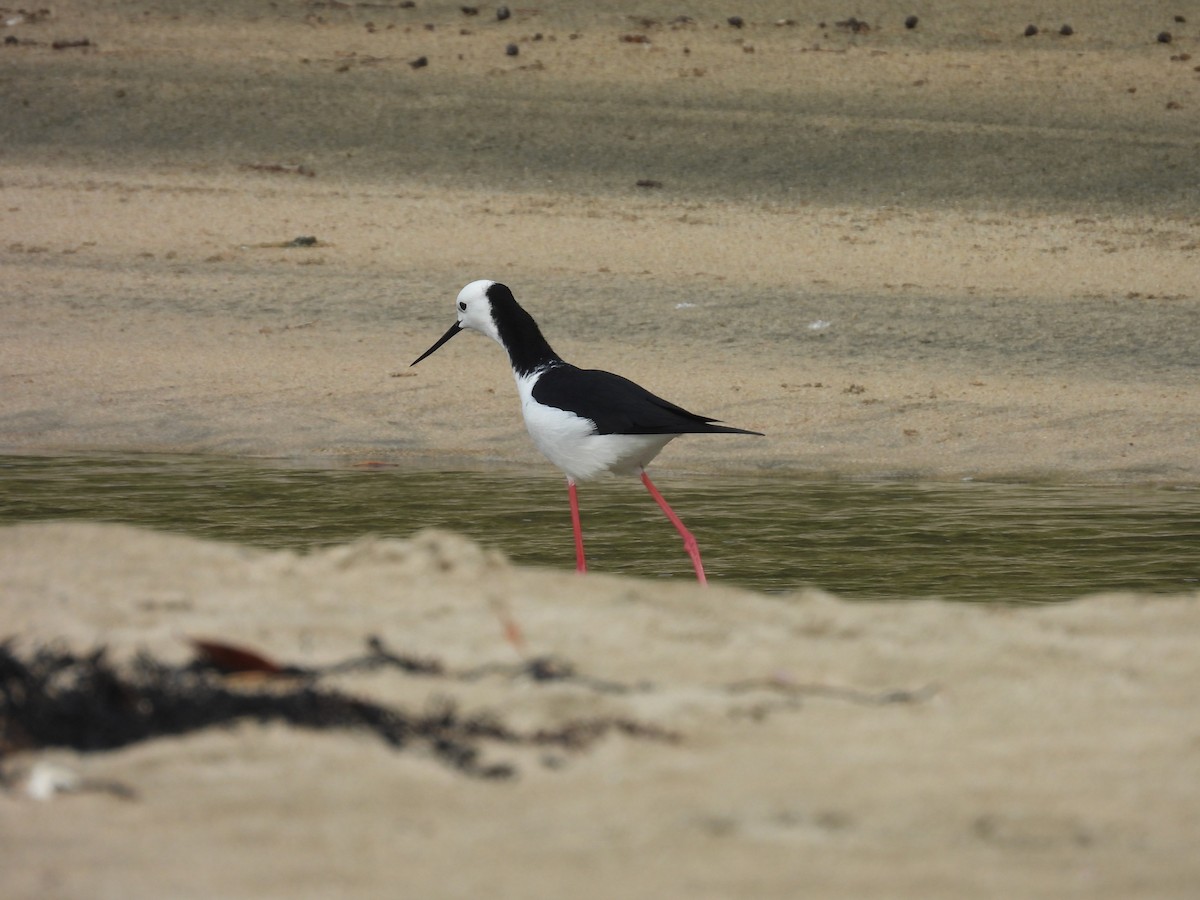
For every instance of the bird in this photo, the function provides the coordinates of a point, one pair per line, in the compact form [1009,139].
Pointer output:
[587,422]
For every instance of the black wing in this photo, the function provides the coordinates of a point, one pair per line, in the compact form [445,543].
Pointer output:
[618,405]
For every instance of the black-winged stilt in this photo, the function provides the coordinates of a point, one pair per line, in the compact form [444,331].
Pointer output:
[585,421]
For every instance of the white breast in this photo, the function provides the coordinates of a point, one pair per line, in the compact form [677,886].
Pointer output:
[571,443]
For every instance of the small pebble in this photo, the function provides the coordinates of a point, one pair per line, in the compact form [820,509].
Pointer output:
[1164,37]
[1030,30]
[911,22]
[1066,31]
[502,13]
[736,21]
[420,62]
[512,50]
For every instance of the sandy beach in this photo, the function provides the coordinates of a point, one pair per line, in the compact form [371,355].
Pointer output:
[940,252]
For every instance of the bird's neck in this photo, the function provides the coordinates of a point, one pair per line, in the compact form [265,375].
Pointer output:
[527,350]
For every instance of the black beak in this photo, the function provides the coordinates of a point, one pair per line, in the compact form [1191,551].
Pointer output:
[454,329]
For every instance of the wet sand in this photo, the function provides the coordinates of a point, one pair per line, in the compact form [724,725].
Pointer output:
[942,252]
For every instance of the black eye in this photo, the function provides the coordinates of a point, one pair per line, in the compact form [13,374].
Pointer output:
[462,305]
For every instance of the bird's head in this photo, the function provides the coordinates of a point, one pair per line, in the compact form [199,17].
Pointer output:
[474,309]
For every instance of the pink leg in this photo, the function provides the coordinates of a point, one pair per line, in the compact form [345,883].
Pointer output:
[580,561]
[689,542]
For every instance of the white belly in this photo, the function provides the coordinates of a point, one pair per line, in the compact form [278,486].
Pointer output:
[570,442]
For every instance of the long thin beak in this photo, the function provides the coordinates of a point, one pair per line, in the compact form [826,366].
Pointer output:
[454,329]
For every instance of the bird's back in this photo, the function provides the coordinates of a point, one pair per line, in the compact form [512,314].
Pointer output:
[617,405]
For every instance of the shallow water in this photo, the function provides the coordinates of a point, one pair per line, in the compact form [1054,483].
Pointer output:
[864,540]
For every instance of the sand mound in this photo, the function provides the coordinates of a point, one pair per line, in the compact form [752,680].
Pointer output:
[791,743]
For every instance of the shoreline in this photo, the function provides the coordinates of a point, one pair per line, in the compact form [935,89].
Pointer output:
[462,460]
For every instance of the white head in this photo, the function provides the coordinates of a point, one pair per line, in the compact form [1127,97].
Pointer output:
[490,308]
[475,309]
[474,312]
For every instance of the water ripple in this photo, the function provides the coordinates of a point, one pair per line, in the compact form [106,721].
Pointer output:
[887,540]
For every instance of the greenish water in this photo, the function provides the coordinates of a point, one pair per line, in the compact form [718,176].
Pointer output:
[876,540]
